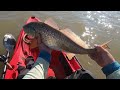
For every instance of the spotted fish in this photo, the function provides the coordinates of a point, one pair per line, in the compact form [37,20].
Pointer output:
[61,40]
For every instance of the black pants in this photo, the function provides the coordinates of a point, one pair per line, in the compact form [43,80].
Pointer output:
[24,70]
[81,74]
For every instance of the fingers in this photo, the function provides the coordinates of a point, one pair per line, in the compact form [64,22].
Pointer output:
[100,48]
[99,51]
[102,56]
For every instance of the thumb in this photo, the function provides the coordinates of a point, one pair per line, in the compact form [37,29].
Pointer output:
[100,48]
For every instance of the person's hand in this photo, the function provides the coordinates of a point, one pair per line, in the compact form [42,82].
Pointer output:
[102,56]
[42,46]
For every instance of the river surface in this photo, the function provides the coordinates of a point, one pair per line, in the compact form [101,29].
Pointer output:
[94,27]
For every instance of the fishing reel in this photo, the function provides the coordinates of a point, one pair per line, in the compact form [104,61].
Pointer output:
[9,43]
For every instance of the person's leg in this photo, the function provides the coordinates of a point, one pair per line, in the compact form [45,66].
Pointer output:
[81,74]
[23,70]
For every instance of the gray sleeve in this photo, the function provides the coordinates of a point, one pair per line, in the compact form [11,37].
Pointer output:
[114,75]
[39,70]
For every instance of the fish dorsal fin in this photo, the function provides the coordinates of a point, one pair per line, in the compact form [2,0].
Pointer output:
[67,32]
[51,23]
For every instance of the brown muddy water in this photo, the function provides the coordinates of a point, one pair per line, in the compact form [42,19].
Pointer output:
[94,27]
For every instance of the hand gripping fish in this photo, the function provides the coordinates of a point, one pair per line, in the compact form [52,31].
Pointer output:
[61,40]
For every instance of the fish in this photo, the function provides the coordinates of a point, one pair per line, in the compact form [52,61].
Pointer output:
[60,40]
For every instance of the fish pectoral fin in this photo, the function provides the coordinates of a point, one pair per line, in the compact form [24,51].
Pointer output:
[70,55]
[51,23]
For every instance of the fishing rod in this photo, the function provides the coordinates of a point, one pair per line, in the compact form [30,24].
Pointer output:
[9,43]
[4,59]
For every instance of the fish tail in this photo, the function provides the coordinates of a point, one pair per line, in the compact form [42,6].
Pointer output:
[87,51]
